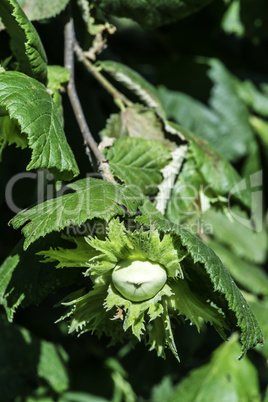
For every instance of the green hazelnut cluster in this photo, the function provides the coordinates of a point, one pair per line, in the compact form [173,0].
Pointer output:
[139,284]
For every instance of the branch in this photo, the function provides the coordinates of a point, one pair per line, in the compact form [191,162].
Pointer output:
[119,98]
[69,37]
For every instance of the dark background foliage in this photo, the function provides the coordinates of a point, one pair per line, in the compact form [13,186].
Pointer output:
[169,55]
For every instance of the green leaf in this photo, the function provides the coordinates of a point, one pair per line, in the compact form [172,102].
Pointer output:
[92,198]
[260,309]
[24,357]
[51,366]
[222,281]
[217,172]
[117,247]
[25,42]
[157,335]
[6,272]
[122,387]
[80,397]
[162,391]
[10,134]
[135,121]
[88,314]
[261,128]
[194,308]
[251,277]
[39,9]
[160,334]
[226,119]
[244,242]
[72,257]
[253,160]
[222,379]
[25,281]
[254,98]
[231,22]
[27,102]
[151,14]
[133,81]
[233,113]
[186,197]
[138,162]
[57,77]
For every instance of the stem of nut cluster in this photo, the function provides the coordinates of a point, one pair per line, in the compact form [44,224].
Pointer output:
[69,37]
[119,98]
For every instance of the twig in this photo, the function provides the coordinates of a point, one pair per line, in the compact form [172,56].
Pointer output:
[69,37]
[119,98]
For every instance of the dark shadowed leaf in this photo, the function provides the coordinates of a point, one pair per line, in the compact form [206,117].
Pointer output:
[23,357]
[151,13]
[25,281]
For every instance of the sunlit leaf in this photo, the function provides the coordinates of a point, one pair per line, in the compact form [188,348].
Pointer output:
[138,162]
[39,9]
[28,103]
[222,376]
[57,77]
[10,134]
[243,241]
[135,121]
[92,198]
[25,42]
[218,174]
[260,309]
[231,22]
[251,277]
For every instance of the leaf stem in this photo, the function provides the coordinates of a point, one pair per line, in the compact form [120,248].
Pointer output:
[69,38]
[119,98]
